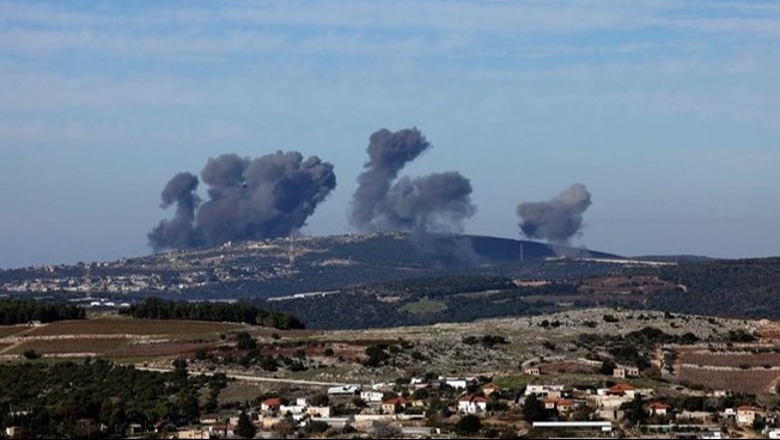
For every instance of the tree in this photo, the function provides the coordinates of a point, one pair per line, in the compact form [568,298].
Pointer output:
[533,409]
[634,410]
[285,428]
[321,399]
[246,428]
[607,367]
[180,369]
[468,425]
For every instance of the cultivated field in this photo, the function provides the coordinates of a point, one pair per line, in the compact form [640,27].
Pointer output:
[752,381]
[8,330]
[70,346]
[135,327]
[115,337]
[734,359]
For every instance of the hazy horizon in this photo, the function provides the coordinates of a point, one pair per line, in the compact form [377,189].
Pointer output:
[666,111]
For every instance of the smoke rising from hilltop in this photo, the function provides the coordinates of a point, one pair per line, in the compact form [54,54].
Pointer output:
[556,220]
[437,202]
[271,196]
[388,153]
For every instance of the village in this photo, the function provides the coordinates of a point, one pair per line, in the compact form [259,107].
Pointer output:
[449,407]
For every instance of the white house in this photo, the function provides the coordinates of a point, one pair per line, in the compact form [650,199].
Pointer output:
[544,390]
[623,372]
[747,414]
[472,404]
[658,409]
[371,396]
[457,382]
[319,411]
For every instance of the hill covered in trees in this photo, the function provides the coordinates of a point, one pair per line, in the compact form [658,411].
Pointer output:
[734,288]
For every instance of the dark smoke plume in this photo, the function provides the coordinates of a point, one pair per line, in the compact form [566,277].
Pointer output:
[388,153]
[556,220]
[437,202]
[271,196]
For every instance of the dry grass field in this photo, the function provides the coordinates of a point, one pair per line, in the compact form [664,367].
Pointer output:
[753,381]
[730,359]
[71,346]
[10,330]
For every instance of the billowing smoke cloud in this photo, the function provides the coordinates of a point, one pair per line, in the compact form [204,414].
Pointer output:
[437,202]
[178,231]
[271,196]
[556,220]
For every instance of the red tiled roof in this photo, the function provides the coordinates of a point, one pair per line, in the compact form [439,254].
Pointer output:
[658,405]
[746,408]
[622,387]
[396,401]
[273,401]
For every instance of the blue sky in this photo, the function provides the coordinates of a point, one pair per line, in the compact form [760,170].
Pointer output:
[669,112]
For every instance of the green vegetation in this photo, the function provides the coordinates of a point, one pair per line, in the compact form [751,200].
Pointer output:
[468,425]
[513,382]
[734,288]
[421,301]
[14,311]
[424,305]
[70,400]
[156,308]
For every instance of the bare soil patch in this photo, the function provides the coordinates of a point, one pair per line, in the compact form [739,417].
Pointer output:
[128,326]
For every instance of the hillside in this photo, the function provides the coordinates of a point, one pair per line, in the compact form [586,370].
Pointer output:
[270,268]
[734,288]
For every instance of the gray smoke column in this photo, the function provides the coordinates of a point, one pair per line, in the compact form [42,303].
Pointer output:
[556,220]
[437,202]
[388,153]
[178,231]
[271,196]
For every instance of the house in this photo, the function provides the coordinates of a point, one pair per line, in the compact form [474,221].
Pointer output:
[319,411]
[193,434]
[208,419]
[371,396]
[544,390]
[561,405]
[621,389]
[491,388]
[298,408]
[270,405]
[472,404]
[222,429]
[533,371]
[623,372]
[457,382]
[658,409]
[565,406]
[747,414]
[395,405]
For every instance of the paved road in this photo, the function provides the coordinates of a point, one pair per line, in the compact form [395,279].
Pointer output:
[250,378]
